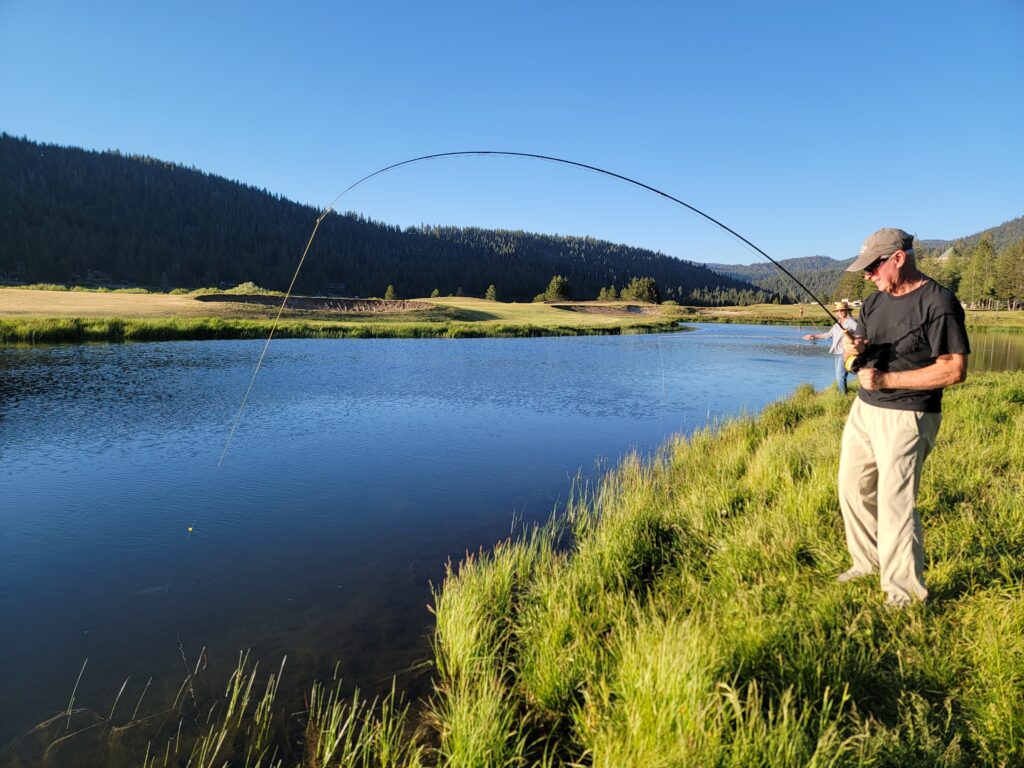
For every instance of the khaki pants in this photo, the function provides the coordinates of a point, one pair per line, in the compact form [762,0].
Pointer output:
[879,473]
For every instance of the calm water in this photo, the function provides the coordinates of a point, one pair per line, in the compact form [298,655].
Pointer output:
[358,468]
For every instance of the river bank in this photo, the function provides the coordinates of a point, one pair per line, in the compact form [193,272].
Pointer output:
[36,316]
[696,618]
[58,316]
[810,314]
[685,612]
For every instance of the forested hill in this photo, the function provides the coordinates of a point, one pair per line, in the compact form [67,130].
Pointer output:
[67,214]
[985,270]
[819,273]
[1001,237]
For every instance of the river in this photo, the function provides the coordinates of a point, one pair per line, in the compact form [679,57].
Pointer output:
[358,468]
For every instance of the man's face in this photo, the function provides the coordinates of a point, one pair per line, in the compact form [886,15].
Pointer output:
[884,273]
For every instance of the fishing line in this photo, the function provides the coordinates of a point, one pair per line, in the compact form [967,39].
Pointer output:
[425,158]
[489,153]
[747,337]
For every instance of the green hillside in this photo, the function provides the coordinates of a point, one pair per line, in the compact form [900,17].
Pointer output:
[71,215]
[983,269]
[819,274]
[1001,237]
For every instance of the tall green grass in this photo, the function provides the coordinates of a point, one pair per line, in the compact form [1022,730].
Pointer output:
[58,330]
[695,619]
[241,724]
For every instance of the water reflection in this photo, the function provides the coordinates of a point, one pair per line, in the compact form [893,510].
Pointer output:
[996,351]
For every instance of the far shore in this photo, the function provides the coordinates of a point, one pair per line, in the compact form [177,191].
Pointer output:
[39,316]
[45,316]
[813,314]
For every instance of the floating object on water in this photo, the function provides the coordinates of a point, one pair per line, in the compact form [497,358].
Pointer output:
[162,589]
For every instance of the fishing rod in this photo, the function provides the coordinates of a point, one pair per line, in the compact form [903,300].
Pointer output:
[594,169]
[495,153]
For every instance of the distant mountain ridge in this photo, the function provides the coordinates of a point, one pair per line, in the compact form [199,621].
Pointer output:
[1001,236]
[827,279]
[820,274]
[67,214]
[764,268]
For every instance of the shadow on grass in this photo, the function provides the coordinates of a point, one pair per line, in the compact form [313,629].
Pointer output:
[468,315]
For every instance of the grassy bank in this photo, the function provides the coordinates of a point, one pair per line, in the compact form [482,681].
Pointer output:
[39,331]
[790,314]
[685,613]
[696,619]
[49,316]
[74,316]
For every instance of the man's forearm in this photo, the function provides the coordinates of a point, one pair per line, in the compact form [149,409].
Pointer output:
[945,371]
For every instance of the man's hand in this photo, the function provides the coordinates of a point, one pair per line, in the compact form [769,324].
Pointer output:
[872,378]
[853,345]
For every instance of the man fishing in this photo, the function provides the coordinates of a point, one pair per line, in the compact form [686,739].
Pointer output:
[846,324]
[918,346]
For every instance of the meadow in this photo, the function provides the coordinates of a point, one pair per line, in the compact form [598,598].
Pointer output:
[55,314]
[683,612]
[40,316]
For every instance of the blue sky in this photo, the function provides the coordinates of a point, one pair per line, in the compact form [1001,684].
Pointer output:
[802,125]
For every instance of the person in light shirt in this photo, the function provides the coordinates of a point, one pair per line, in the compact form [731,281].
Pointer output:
[836,333]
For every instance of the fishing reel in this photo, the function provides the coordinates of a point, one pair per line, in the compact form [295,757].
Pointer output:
[873,356]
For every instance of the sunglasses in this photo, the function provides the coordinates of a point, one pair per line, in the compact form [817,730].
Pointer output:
[874,266]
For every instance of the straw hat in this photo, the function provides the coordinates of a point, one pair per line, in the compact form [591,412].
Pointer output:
[844,304]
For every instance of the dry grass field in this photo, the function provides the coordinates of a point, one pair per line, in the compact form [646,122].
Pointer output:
[44,315]
[16,302]
[23,303]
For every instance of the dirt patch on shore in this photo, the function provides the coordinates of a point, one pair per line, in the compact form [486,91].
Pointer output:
[321,303]
[614,310]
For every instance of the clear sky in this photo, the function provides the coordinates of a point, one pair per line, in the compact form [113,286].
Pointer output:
[802,125]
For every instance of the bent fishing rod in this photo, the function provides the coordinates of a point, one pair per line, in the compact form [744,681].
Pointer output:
[496,153]
[586,167]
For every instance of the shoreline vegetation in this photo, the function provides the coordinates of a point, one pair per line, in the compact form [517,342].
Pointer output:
[684,612]
[28,316]
[56,314]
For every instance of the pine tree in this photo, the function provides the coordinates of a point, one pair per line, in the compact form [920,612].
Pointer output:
[853,287]
[492,293]
[947,270]
[977,280]
[641,289]
[558,289]
[389,294]
[1010,274]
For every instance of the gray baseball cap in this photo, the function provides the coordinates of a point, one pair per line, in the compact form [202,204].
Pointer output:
[884,242]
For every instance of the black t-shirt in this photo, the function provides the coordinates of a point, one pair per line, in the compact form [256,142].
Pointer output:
[914,329]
